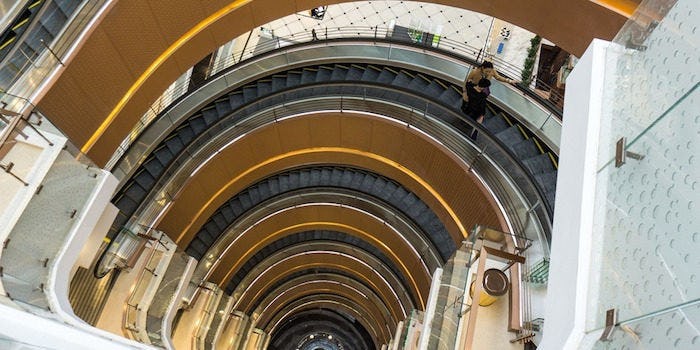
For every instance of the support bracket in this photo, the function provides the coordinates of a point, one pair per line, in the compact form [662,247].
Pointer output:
[610,321]
[621,154]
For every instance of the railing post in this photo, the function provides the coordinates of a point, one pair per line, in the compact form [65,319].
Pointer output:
[244,46]
[471,165]
[51,51]
[8,169]
[39,133]
[546,120]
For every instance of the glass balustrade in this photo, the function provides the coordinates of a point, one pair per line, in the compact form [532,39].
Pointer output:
[645,240]
[490,159]
[43,46]
[540,117]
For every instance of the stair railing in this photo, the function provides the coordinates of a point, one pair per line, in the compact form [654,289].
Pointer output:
[169,185]
[467,53]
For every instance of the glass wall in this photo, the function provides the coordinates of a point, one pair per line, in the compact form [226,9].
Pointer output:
[646,235]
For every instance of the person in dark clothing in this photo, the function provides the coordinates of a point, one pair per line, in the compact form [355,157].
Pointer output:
[474,101]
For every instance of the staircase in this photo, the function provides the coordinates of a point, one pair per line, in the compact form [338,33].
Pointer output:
[335,177]
[18,48]
[540,162]
[88,294]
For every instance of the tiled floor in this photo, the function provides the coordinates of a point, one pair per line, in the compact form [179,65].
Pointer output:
[469,28]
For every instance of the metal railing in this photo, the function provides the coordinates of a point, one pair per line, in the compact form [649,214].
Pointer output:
[493,161]
[144,288]
[25,71]
[469,55]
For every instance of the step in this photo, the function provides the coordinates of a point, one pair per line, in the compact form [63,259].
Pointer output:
[539,165]
[510,136]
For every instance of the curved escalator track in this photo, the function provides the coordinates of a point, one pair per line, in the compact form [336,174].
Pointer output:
[21,43]
[539,161]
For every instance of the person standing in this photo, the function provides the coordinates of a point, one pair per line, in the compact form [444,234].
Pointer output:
[486,71]
[474,101]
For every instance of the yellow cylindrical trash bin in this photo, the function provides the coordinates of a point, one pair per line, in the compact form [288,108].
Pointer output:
[495,284]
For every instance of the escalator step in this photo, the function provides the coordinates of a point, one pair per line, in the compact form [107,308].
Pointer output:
[227,213]
[211,115]
[419,83]
[451,97]
[154,167]
[223,107]
[236,100]
[539,164]
[196,249]
[163,155]
[339,72]
[220,221]
[279,82]
[371,73]
[126,204]
[525,149]
[135,192]
[402,79]
[174,144]
[324,73]
[197,123]
[293,179]
[355,72]
[308,75]
[510,136]
[387,76]
[495,124]
[434,89]
[250,93]
[185,133]
[548,181]
[254,194]
[145,179]
[293,78]
[264,87]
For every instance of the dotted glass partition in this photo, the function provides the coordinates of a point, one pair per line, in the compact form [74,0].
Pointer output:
[646,239]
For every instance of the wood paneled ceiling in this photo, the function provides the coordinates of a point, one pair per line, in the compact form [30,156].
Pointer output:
[142,46]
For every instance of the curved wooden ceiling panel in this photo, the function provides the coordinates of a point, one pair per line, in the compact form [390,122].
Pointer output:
[317,259]
[342,219]
[378,332]
[297,290]
[142,46]
[391,150]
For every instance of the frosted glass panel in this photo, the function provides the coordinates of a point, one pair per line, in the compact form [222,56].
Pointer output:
[674,329]
[646,226]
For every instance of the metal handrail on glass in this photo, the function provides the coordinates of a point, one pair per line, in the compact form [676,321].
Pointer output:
[146,281]
[45,44]
[550,114]
[532,216]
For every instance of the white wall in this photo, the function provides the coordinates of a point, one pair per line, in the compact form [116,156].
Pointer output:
[565,313]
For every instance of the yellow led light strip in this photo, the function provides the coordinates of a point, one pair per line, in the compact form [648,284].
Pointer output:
[322,303]
[313,150]
[155,65]
[277,307]
[623,7]
[344,228]
[246,307]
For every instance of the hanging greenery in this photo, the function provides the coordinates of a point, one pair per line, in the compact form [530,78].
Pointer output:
[526,76]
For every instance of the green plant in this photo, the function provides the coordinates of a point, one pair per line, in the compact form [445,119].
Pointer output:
[529,64]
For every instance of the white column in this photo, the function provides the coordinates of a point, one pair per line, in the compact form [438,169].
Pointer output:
[430,309]
[565,313]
